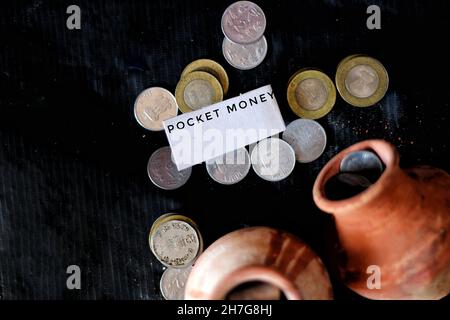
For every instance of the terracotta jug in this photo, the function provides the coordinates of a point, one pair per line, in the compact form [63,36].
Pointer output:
[258,254]
[400,224]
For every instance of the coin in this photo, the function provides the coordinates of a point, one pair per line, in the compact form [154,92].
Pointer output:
[164,173]
[244,57]
[243,22]
[307,138]
[273,159]
[153,106]
[362,81]
[363,162]
[229,168]
[209,66]
[196,90]
[173,281]
[311,94]
[175,243]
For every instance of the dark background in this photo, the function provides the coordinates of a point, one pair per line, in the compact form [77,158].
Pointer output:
[73,181]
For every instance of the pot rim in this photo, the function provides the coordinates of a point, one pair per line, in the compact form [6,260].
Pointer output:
[261,273]
[388,155]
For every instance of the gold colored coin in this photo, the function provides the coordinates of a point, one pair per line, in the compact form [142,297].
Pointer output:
[175,240]
[196,90]
[311,94]
[211,67]
[362,81]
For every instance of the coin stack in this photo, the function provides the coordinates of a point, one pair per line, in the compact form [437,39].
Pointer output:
[176,242]
[202,83]
[244,45]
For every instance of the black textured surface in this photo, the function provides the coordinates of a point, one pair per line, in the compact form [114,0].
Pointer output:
[73,182]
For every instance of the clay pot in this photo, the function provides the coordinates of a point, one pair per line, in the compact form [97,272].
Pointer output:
[401,224]
[259,254]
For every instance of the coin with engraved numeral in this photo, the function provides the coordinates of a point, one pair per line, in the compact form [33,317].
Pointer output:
[164,173]
[229,168]
[243,22]
[175,243]
[153,106]
[173,282]
[273,159]
[244,57]
[307,138]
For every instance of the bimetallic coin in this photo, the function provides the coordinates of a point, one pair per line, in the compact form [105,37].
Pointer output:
[209,66]
[243,22]
[173,281]
[164,173]
[362,81]
[273,159]
[196,90]
[311,94]
[229,168]
[153,106]
[363,162]
[307,138]
[244,57]
[175,243]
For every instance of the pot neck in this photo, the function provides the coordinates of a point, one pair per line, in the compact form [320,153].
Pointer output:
[257,273]
[378,199]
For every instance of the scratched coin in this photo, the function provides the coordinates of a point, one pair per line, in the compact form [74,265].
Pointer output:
[273,159]
[229,168]
[307,138]
[175,243]
[173,281]
[164,173]
[153,106]
[196,90]
[244,57]
[243,22]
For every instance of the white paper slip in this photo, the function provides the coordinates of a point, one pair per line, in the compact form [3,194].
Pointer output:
[223,127]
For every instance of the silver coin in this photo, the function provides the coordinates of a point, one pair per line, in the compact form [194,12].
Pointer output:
[229,168]
[243,22]
[307,138]
[163,172]
[244,57]
[153,106]
[359,161]
[173,281]
[175,243]
[273,159]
